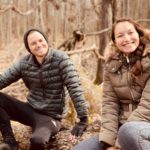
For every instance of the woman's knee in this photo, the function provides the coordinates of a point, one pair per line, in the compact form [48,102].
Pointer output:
[88,144]
[134,134]
[128,131]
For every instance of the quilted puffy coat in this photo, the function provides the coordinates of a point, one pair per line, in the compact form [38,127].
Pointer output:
[124,99]
[48,83]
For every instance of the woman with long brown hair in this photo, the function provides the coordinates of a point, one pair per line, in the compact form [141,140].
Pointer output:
[126,85]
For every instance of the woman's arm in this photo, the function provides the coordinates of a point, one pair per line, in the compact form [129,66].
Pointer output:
[110,109]
[142,113]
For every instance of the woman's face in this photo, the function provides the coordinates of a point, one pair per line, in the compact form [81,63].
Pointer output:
[37,44]
[126,37]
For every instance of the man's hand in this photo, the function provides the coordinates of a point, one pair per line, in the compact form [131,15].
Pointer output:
[80,127]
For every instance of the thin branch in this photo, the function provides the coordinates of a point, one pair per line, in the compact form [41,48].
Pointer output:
[94,48]
[99,32]
[15,9]
[98,54]
[143,20]
[6,9]
[95,7]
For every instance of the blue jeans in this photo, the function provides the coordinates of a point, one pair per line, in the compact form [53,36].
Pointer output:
[135,136]
[92,143]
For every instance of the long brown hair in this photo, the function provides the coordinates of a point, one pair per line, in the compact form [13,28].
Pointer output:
[138,27]
[137,54]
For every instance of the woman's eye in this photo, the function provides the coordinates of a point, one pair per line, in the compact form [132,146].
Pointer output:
[131,32]
[119,36]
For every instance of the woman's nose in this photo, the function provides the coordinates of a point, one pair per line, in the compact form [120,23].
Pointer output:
[126,37]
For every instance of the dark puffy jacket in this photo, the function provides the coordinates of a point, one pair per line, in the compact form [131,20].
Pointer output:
[48,83]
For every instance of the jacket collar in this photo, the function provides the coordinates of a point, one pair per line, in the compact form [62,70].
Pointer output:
[113,57]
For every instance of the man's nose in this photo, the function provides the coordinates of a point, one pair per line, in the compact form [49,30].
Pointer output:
[38,44]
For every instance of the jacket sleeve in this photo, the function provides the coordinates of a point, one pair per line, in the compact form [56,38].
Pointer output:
[72,81]
[10,75]
[110,109]
[142,113]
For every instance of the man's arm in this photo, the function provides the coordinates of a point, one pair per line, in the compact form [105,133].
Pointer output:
[72,82]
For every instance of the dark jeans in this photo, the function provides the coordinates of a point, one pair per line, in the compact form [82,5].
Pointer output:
[43,126]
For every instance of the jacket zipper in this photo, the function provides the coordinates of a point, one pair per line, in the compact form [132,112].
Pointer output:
[41,82]
[129,79]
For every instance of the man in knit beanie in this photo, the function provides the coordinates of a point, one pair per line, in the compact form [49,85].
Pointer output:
[49,75]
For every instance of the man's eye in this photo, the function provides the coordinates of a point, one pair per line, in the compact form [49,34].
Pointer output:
[33,43]
[41,40]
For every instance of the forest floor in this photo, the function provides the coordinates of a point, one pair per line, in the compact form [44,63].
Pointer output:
[8,55]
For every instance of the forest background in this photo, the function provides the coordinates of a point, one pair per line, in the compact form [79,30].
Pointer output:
[58,19]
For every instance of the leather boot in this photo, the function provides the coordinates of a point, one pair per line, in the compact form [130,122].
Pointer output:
[9,140]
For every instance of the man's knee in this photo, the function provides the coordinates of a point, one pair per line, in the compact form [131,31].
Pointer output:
[38,141]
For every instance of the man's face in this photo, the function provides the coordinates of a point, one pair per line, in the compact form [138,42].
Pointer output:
[37,44]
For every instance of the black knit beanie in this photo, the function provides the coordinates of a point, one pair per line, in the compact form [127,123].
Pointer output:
[26,36]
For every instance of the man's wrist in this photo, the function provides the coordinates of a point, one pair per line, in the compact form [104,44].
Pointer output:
[84,119]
